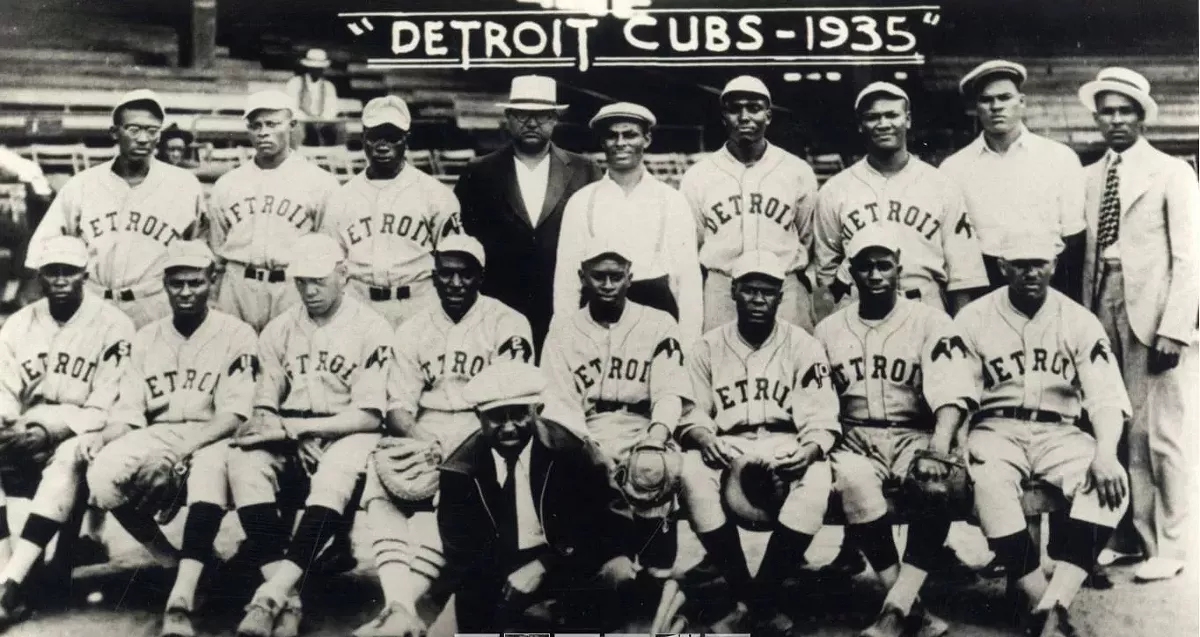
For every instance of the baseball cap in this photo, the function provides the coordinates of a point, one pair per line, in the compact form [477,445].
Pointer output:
[269,100]
[974,79]
[623,110]
[188,254]
[1022,246]
[878,88]
[875,235]
[746,84]
[141,95]
[463,243]
[505,383]
[599,246]
[314,256]
[60,249]
[759,262]
[388,109]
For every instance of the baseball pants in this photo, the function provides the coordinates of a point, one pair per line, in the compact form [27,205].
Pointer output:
[61,477]
[396,311]
[254,473]
[142,310]
[868,456]
[255,302]
[719,308]
[208,476]
[1005,453]
[1158,437]
[803,511]
[111,473]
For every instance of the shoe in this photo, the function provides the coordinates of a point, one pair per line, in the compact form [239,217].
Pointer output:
[1108,557]
[1098,580]
[393,621]
[260,618]
[776,625]
[890,623]
[177,622]
[287,623]
[922,623]
[12,604]
[338,558]
[1034,622]
[1058,623]
[735,622]
[87,551]
[1157,568]
[992,570]
[848,563]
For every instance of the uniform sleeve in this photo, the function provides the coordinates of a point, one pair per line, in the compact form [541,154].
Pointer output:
[62,218]
[684,266]
[964,326]
[236,389]
[1183,289]
[106,386]
[690,187]
[335,216]
[369,392]
[946,379]
[806,207]
[11,377]
[564,398]
[699,368]
[1072,197]
[1099,371]
[130,408]
[828,251]
[273,385]
[447,214]
[571,244]
[814,400]
[329,185]
[405,376]
[514,338]
[964,260]
[197,230]
[670,385]
[218,230]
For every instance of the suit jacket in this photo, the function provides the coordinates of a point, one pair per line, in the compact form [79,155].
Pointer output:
[520,256]
[1157,241]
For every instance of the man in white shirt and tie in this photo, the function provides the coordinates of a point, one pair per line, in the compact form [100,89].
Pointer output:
[318,101]
[651,221]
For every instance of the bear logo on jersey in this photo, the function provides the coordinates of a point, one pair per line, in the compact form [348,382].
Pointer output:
[670,346]
[964,225]
[378,357]
[946,346]
[1100,350]
[815,374]
[517,349]
[244,363]
[119,350]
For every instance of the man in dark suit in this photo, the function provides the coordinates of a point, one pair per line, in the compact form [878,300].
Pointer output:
[520,502]
[513,199]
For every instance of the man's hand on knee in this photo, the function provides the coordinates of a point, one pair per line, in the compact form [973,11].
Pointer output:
[94,442]
[524,581]
[792,463]
[1107,477]
[25,439]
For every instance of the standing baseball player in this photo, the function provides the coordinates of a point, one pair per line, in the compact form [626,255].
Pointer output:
[649,219]
[128,211]
[390,217]
[616,371]
[60,371]
[259,209]
[763,395]
[891,186]
[189,384]
[1015,180]
[437,352]
[752,195]
[1039,358]
[318,410]
[905,389]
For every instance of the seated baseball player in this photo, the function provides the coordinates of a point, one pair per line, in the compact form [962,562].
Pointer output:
[905,389]
[617,367]
[189,384]
[437,352]
[60,370]
[763,397]
[317,416]
[520,502]
[1038,358]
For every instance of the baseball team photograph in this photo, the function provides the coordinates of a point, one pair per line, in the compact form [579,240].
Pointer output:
[298,340]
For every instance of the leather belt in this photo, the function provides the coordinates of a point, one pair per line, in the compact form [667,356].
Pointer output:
[877,423]
[641,408]
[125,295]
[912,294]
[1018,413]
[386,294]
[270,275]
[775,426]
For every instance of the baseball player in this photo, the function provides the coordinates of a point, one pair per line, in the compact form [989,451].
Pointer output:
[128,211]
[752,195]
[649,219]
[60,370]
[905,389]
[762,390]
[319,406]
[1039,358]
[390,217]
[189,384]
[437,352]
[259,208]
[615,370]
[893,187]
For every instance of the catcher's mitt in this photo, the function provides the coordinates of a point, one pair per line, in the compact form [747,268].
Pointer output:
[752,492]
[950,495]
[407,467]
[158,488]
[650,476]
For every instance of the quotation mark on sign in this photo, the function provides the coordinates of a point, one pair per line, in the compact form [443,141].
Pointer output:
[931,18]
[358,30]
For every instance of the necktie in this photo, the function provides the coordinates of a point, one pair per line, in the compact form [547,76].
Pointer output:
[1110,206]
[508,503]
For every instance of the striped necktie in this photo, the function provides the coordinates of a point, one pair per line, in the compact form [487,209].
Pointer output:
[1110,205]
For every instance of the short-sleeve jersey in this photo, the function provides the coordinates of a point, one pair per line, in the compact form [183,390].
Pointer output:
[902,367]
[1058,360]
[390,227]
[436,357]
[322,370]
[174,379]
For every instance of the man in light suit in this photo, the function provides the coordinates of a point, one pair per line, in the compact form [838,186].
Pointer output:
[1140,277]
[513,199]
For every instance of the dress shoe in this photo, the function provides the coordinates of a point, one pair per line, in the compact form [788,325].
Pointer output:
[1157,568]
[1108,557]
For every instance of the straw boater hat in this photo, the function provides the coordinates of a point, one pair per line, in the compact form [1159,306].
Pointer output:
[1129,83]
[315,59]
[533,93]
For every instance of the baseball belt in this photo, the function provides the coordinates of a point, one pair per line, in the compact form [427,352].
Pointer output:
[386,294]
[641,408]
[270,275]
[1019,413]
[775,426]
[126,295]
[876,423]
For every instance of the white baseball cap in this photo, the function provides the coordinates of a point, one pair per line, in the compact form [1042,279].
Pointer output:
[875,235]
[1121,80]
[759,262]
[188,254]
[505,383]
[314,256]
[623,110]
[601,245]
[746,84]
[269,100]
[388,109]
[141,95]
[974,80]
[1028,246]
[465,244]
[59,249]
[879,88]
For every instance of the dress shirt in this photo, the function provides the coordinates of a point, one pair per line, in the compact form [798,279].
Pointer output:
[533,183]
[529,528]
[1113,252]
[1037,185]
[317,100]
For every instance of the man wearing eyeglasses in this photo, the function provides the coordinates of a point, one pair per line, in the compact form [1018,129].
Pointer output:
[390,217]
[513,200]
[128,211]
[260,208]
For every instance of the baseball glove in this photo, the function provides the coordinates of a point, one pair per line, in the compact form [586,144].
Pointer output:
[407,467]
[157,488]
[949,495]
[650,476]
[752,492]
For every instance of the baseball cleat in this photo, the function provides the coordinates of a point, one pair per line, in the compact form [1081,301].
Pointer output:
[177,622]
[393,621]
[1057,623]
[922,623]
[12,604]
[734,622]
[890,623]
[260,618]
[848,563]
[287,623]
[777,625]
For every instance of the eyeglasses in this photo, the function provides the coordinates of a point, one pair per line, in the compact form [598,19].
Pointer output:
[134,130]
